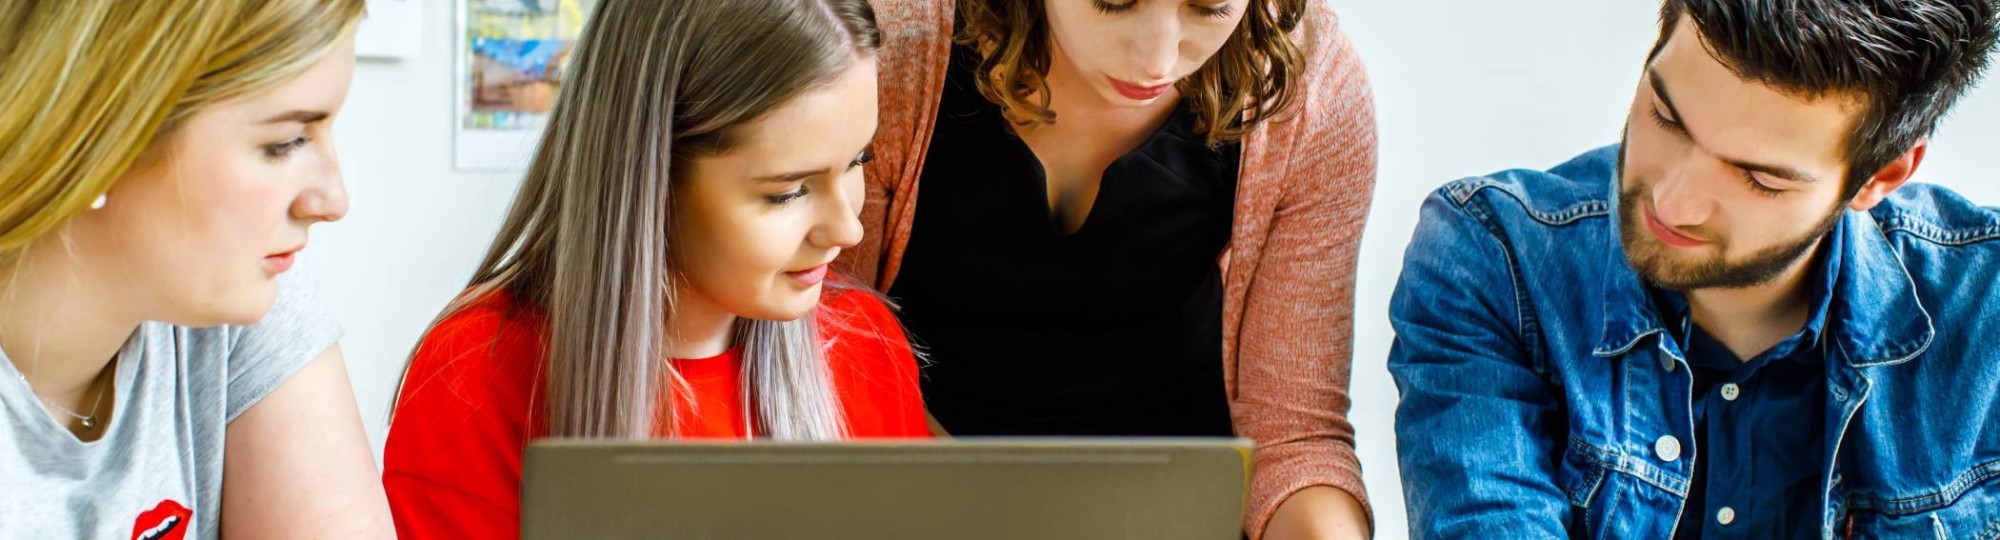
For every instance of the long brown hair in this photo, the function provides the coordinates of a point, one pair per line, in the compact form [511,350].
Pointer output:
[653,85]
[1252,79]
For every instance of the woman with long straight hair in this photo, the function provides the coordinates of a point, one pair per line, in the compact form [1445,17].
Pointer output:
[1137,217]
[664,271]
[161,374]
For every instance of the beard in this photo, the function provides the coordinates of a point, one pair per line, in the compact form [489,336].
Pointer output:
[1656,263]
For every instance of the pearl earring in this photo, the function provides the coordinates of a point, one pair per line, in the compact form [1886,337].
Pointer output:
[97,204]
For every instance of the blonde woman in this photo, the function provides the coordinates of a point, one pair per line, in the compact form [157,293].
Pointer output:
[160,164]
[664,272]
[1136,217]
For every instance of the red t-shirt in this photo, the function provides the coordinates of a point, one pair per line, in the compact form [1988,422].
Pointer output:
[471,402]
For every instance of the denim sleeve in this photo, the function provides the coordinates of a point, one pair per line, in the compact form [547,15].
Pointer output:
[1476,425]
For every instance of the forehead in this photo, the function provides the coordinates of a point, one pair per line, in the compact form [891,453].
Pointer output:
[322,87]
[1746,119]
[818,127]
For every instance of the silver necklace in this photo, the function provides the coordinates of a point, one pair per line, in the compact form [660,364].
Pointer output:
[89,421]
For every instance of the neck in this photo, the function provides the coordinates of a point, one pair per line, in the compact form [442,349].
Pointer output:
[700,329]
[1751,320]
[58,325]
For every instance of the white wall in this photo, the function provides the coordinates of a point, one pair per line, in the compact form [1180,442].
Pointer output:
[1462,87]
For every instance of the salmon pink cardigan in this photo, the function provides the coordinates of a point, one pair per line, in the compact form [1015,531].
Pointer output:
[1303,191]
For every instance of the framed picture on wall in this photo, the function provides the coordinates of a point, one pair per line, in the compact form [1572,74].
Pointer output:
[510,61]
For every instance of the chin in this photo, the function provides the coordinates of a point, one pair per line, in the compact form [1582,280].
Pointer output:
[240,308]
[791,307]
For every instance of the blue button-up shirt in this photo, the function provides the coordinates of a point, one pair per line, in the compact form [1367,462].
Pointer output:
[1545,396]
[1757,422]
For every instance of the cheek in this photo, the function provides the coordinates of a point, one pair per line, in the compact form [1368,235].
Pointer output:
[206,210]
[249,206]
[1204,38]
[732,253]
[1767,222]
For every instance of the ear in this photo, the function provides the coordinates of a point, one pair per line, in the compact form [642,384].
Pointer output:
[1891,177]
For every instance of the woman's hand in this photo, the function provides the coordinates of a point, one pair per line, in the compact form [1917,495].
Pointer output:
[1318,513]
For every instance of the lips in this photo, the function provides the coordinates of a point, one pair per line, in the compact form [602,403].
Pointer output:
[810,276]
[278,263]
[1668,235]
[1137,92]
[166,521]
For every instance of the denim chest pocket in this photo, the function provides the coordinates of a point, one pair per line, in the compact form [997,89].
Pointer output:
[1974,514]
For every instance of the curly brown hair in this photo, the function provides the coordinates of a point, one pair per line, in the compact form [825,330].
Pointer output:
[1252,79]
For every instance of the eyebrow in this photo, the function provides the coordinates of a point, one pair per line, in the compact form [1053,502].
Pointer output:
[300,116]
[795,176]
[1783,172]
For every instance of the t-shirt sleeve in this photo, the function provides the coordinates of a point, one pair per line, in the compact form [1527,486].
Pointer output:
[264,355]
[452,464]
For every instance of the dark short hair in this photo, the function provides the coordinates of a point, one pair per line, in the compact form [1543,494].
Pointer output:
[1907,61]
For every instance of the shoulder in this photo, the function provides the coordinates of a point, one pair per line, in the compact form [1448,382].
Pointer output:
[255,359]
[1939,237]
[1582,188]
[1935,215]
[850,316]
[1555,223]
[490,346]
[915,42]
[862,337]
[1327,135]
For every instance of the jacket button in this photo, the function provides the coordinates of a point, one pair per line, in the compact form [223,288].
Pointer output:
[1725,516]
[1668,448]
[1730,391]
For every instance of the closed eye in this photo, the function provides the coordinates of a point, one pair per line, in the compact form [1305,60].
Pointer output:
[1664,123]
[1759,187]
[1220,11]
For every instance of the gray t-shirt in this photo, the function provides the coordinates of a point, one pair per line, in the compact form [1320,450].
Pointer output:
[157,471]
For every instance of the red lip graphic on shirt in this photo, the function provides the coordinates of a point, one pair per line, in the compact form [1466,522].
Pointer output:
[167,521]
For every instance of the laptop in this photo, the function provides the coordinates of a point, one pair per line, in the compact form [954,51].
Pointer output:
[959,489]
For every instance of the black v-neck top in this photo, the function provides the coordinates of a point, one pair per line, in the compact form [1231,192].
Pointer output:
[1115,329]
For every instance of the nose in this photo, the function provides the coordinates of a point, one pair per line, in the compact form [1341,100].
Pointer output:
[1678,198]
[1156,47]
[324,200]
[839,223]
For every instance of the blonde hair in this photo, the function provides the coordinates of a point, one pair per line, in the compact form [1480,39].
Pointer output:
[88,86]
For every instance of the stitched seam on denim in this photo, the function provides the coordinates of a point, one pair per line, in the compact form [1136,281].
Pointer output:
[1464,189]
[1992,530]
[1941,498]
[1928,231]
[1603,531]
[1635,467]
[1595,481]
[1524,317]
[1628,346]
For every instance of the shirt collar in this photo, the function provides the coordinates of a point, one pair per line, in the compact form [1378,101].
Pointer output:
[1865,301]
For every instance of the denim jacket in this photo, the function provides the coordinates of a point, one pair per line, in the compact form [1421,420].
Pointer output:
[1541,397]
